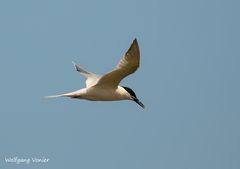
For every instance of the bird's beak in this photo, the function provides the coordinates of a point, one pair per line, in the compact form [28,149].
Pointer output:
[138,102]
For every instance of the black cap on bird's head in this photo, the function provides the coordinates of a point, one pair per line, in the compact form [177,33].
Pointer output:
[133,95]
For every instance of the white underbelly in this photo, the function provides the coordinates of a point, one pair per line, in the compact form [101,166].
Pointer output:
[103,95]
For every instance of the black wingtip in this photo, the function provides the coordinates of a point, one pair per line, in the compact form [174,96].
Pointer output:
[135,40]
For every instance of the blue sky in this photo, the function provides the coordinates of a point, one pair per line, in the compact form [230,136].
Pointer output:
[188,81]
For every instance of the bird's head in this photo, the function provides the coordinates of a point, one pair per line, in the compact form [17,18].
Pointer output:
[133,96]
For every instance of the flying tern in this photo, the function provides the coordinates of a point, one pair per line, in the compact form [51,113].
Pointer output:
[106,87]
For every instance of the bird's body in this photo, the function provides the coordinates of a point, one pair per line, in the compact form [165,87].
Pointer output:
[106,87]
[101,94]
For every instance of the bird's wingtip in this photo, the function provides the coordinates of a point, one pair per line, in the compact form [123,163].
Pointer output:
[73,63]
[76,66]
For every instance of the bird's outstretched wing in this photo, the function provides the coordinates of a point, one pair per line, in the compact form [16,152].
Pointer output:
[126,66]
[92,78]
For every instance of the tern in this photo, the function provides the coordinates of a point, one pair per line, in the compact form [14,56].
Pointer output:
[106,87]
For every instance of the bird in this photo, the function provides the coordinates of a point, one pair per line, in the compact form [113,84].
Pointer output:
[106,87]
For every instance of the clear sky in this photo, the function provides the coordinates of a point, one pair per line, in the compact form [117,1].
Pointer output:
[188,81]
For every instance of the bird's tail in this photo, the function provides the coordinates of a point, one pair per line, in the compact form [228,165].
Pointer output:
[70,94]
[54,96]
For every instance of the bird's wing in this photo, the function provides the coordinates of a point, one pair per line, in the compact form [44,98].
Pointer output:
[92,78]
[126,66]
